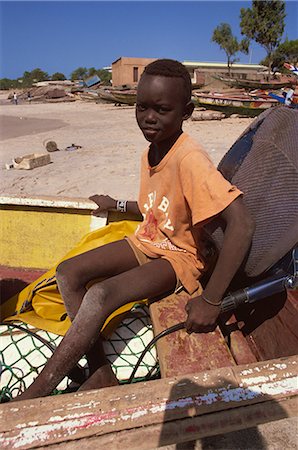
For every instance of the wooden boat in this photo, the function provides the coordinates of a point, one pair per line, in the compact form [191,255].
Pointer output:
[118,96]
[207,387]
[256,84]
[233,104]
[242,374]
[127,97]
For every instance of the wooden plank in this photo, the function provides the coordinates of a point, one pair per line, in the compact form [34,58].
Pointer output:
[106,412]
[180,353]
[237,342]
[31,161]
[274,317]
[190,429]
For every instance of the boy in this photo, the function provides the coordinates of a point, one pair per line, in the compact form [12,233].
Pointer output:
[180,191]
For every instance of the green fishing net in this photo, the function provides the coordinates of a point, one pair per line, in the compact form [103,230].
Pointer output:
[25,350]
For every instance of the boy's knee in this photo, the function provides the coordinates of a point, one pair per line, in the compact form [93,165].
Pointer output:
[97,294]
[102,295]
[65,273]
[61,271]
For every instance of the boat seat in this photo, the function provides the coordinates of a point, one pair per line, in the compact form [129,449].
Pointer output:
[180,353]
[263,163]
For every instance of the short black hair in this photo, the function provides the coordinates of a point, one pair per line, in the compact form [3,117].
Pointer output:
[172,69]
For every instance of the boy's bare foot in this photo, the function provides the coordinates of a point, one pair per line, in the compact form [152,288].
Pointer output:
[103,377]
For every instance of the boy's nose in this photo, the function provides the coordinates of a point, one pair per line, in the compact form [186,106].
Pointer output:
[150,117]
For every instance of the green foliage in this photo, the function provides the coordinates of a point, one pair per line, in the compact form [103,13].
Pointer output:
[92,71]
[289,50]
[26,81]
[29,78]
[58,76]
[82,73]
[223,36]
[105,76]
[6,84]
[79,74]
[285,52]
[34,76]
[39,75]
[264,24]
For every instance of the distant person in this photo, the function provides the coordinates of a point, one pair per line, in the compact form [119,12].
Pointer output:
[15,98]
[29,98]
[180,191]
[275,72]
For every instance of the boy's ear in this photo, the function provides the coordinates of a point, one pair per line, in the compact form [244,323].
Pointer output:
[188,110]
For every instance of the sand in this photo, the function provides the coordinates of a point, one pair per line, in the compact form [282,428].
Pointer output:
[107,163]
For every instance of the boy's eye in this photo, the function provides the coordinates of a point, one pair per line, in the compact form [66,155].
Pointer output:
[163,109]
[140,107]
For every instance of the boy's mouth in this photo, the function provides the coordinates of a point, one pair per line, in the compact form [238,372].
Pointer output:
[150,132]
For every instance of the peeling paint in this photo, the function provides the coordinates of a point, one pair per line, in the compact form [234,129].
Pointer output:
[246,372]
[280,366]
[63,426]
[261,379]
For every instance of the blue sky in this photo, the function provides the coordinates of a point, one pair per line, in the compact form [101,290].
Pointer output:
[60,36]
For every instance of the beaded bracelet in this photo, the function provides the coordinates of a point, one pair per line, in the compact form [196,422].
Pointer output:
[121,205]
[210,303]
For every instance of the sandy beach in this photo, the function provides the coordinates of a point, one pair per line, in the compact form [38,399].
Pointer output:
[107,163]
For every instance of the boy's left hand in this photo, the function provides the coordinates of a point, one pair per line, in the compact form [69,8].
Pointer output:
[201,317]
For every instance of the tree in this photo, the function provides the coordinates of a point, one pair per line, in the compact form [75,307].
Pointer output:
[105,76]
[79,74]
[92,71]
[58,76]
[285,52]
[264,24]
[223,36]
[38,75]
[34,76]
[6,83]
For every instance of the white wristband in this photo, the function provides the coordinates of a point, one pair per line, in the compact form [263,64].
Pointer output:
[121,205]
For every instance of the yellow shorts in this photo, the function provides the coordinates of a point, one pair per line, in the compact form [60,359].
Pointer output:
[144,259]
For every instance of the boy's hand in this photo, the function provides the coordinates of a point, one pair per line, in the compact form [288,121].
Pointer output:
[201,317]
[104,203]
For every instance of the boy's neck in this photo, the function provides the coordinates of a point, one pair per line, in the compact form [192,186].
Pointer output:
[158,151]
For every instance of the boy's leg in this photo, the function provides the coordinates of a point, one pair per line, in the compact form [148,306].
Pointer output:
[147,281]
[75,273]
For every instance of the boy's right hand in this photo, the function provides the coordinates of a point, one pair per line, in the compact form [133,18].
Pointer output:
[104,203]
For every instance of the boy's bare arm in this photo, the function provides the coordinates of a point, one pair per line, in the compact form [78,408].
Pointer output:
[107,203]
[238,234]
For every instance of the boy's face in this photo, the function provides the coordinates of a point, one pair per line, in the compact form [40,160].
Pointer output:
[161,107]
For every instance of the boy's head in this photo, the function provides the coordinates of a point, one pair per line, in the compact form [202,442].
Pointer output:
[163,100]
[171,69]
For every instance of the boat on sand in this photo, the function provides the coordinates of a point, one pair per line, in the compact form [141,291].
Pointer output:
[256,84]
[241,104]
[118,96]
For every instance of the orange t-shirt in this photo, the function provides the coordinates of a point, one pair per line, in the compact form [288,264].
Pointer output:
[183,190]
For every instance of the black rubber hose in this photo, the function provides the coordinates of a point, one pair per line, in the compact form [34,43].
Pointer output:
[178,326]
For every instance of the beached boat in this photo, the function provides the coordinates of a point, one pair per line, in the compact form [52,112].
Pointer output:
[242,374]
[118,96]
[256,84]
[233,104]
[127,97]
